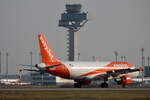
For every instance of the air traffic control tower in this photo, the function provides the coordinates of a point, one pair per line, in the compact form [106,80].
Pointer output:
[73,19]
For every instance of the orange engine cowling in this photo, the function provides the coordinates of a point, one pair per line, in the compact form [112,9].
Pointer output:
[125,80]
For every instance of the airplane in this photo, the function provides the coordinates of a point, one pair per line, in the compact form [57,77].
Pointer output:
[83,73]
[12,81]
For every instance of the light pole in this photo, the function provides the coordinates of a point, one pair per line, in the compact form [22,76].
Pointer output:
[0,64]
[148,59]
[125,59]
[143,60]
[31,57]
[116,55]
[122,59]
[7,65]
[31,61]
[94,58]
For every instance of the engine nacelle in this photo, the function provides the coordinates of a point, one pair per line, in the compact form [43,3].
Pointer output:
[41,66]
[124,80]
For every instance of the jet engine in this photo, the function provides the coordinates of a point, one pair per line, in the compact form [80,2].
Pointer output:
[40,66]
[124,80]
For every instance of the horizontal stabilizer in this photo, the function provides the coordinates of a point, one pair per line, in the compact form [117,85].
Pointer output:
[26,65]
[32,70]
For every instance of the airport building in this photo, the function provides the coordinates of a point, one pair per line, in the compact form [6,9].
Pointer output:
[147,71]
[48,79]
[42,79]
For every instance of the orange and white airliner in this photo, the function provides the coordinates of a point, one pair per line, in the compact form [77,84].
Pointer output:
[83,72]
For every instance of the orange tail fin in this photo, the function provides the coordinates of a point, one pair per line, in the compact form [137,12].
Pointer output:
[46,52]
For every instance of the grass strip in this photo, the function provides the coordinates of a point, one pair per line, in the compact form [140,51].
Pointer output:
[75,95]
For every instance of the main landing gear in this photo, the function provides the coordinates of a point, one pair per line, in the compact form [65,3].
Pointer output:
[105,84]
[77,85]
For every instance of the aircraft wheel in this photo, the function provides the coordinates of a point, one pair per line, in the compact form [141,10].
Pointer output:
[77,85]
[124,86]
[104,85]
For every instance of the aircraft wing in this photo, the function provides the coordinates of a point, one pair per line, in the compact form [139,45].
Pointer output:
[115,73]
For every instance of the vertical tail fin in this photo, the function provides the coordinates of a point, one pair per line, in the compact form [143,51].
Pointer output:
[46,52]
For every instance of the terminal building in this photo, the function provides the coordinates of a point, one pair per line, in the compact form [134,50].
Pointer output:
[147,71]
[45,79]
[48,79]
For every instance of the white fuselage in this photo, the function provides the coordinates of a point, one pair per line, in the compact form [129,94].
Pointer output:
[79,70]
